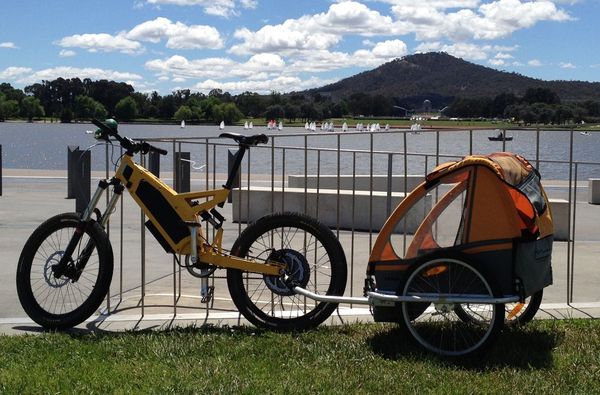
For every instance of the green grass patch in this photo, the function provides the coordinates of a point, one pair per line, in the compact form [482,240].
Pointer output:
[544,357]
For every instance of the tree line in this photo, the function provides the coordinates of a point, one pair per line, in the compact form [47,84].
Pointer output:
[536,106]
[75,99]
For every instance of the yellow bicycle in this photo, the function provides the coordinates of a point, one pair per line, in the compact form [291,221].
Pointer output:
[65,268]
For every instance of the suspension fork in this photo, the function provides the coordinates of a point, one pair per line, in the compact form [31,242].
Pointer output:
[66,264]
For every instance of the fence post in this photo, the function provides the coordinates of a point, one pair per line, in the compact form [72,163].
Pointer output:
[82,179]
[182,172]
[71,163]
[236,181]
[154,163]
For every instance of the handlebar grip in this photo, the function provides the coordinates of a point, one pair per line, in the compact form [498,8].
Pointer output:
[159,150]
[262,139]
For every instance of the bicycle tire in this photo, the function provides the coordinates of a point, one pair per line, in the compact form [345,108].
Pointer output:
[59,303]
[316,261]
[517,314]
[441,331]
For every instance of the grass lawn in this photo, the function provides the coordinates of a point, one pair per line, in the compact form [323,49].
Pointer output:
[545,357]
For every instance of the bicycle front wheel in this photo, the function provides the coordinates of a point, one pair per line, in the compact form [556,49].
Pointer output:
[65,301]
[315,261]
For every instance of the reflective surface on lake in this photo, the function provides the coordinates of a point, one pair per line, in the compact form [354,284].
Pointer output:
[44,146]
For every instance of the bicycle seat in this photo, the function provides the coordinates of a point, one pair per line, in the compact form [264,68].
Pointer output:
[248,141]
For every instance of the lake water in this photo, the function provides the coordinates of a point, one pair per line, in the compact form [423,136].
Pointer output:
[44,146]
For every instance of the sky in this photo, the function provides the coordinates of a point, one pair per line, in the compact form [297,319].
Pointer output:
[286,45]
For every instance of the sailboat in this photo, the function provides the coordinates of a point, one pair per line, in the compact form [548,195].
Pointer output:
[182,124]
[306,126]
[280,126]
[250,126]
[246,125]
[344,127]
[222,125]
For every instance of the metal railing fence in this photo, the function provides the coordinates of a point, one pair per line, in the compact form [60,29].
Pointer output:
[356,155]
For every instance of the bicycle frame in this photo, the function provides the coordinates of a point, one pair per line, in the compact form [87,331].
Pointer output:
[175,218]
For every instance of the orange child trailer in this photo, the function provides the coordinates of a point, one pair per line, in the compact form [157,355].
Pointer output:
[502,231]
[485,240]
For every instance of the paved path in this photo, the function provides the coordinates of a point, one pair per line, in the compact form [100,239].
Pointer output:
[29,197]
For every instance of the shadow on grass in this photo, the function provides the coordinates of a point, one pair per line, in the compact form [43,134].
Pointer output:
[523,348]
[94,332]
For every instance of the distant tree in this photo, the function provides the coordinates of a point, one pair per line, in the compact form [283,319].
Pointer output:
[251,104]
[183,113]
[11,93]
[207,106]
[231,113]
[275,111]
[66,115]
[308,112]
[292,111]
[126,109]
[86,108]
[8,108]
[31,108]
[500,103]
[541,95]
[167,107]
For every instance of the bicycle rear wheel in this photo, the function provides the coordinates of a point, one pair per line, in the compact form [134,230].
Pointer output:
[440,329]
[66,301]
[315,261]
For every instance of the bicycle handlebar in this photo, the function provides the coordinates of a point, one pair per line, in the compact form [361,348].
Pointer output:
[127,143]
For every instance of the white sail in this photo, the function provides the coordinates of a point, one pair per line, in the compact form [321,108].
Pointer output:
[222,125]
[182,124]
[250,126]
[306,126]
[344,127]
[246,125]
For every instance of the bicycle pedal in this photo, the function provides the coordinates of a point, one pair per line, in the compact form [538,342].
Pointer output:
[209,295]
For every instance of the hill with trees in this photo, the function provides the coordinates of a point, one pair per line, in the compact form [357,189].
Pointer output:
[443,76]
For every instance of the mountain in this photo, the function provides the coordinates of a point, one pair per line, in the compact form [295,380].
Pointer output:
[442,75]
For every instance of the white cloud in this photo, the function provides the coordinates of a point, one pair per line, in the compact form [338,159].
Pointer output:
[279,84]
[8,44]
[178,35]
[316,32]
[10,73]
[466,51]
[177,66]
[66,53]
[534,63]
[488,21]
[101,42]
[435,4]
[224,8]
[567,65]
[72,72]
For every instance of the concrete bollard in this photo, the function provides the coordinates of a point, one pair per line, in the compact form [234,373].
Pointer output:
[154,163]
[71,162]
[82,172]
[236,181]
[182,172]
[594,190]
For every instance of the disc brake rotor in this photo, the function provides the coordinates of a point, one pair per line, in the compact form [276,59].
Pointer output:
[51,280]
[297,272]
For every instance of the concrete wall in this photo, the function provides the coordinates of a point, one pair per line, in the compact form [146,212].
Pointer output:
[361,182]
[323,206]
